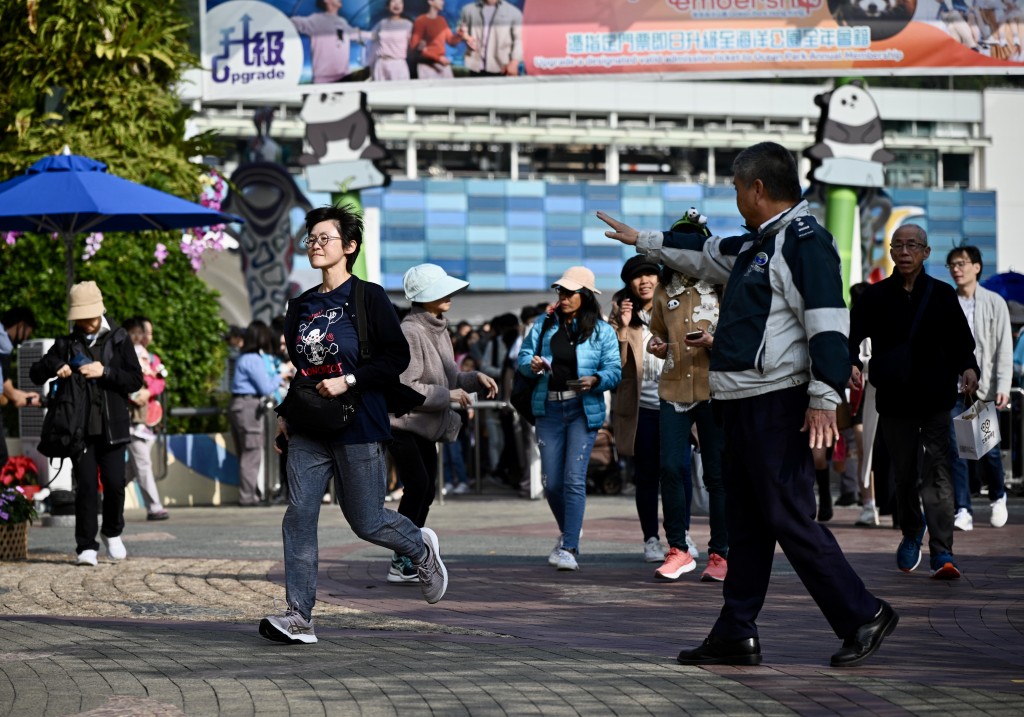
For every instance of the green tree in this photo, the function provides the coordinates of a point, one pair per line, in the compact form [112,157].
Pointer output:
[100,77]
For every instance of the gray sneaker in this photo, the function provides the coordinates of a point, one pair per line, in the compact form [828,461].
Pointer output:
[291,628]
[433,574]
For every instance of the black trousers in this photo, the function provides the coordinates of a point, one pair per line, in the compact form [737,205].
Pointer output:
[110,462]
[415,460]
[921,454]
[769,486]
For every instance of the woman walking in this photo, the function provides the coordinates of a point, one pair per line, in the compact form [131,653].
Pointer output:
[98,353]
[323,330]
[636,408]
[683,321]
[575,353]
[432,372]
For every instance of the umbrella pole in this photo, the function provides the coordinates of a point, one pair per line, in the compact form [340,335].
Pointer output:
[69,265]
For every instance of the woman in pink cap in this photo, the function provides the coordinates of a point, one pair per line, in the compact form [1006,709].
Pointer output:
[575,353]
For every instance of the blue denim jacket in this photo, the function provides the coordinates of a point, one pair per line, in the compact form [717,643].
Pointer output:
[597,356]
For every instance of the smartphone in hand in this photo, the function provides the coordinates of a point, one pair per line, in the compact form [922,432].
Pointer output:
[694,335]
[574,384]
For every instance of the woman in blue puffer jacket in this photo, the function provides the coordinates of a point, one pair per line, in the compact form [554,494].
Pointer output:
[576,356]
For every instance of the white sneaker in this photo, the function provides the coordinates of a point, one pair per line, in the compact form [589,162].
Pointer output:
[553,555]
[999,514]
[868,516]
[963,520]
[654,551]
[461,489]
[87,557]
[115,547]
[691,547]
[566,560]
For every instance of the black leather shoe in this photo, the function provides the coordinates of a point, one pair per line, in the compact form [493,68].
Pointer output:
[723,652]
[867,639]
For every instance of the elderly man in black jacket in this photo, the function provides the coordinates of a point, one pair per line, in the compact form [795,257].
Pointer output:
[922,355]
[99,350]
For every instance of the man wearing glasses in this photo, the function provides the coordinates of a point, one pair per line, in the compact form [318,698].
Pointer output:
[922,358]
[989,319]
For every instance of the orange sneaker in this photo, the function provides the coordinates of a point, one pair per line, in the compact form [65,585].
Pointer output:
[676,563]
[716,569]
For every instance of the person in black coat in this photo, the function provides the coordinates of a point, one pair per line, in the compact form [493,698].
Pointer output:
[100,350]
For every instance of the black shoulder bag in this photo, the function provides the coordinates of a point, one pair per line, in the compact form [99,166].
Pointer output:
[522,386]
[309,413]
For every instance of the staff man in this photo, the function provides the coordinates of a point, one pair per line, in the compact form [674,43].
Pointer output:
[778,369]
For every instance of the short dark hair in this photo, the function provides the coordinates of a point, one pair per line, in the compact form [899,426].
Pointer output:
[347,220]
[19,314]
[774,165]
[973,255]
[132,324]
[258,337]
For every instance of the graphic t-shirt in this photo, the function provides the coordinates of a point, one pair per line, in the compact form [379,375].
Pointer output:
[327,346]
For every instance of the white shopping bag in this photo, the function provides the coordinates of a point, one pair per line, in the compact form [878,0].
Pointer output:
[977,430]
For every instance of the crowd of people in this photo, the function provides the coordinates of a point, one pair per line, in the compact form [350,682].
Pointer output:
[738,349]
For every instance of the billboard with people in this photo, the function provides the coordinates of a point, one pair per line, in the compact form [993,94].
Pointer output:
[263,47]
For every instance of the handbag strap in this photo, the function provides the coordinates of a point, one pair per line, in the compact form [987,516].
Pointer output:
[365,348]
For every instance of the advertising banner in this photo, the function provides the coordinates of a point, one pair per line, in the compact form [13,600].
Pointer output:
[262,47]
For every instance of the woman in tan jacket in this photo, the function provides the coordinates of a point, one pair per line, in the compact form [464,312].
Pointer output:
[683,321]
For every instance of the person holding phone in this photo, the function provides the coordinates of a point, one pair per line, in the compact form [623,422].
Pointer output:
[101,351]
[578,346]
[636,406]
[684,317]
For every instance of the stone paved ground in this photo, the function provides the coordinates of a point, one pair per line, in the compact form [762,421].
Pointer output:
[172,630]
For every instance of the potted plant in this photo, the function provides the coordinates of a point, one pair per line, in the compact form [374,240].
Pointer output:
[18,485]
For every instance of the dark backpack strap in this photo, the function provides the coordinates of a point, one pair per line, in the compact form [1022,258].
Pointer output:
[365,348]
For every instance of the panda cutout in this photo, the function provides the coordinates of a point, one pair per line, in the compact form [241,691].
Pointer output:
[340,133]
[849,139]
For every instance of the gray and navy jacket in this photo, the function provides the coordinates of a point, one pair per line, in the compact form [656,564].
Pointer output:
[783,321]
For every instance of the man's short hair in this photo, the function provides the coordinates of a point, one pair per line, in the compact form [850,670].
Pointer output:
[347,220]
[774,165]
[973,255]
[919,233]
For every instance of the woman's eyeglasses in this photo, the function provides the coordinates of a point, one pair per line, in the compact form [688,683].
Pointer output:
[565,292]
[320,240]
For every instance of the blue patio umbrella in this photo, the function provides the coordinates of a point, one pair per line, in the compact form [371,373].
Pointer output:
[1009,285]
[69,194]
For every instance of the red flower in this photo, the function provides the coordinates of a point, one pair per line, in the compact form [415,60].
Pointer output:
[19,470]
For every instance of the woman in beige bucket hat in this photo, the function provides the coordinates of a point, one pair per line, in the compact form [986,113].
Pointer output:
[99,352]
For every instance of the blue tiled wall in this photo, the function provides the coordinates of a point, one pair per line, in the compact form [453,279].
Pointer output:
[519,236]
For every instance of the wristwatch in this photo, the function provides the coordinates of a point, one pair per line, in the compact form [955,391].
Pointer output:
[350,380]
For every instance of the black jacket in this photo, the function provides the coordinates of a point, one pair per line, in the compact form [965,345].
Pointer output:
[123,376]
[389,353]
[942,349]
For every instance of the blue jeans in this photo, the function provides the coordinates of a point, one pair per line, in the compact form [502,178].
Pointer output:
[990,465]
[359,472]
[677,478]
[454,464]
[565,442]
